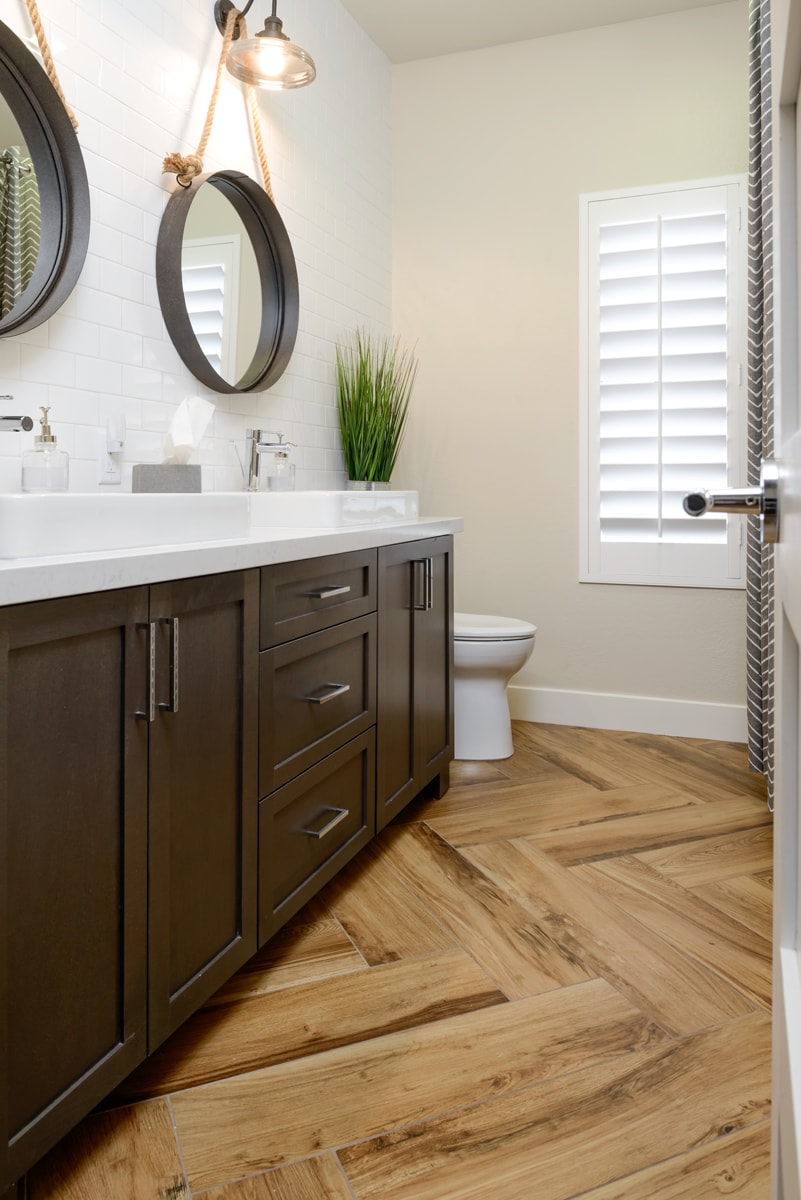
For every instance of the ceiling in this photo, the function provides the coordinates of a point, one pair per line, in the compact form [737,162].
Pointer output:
[411,29]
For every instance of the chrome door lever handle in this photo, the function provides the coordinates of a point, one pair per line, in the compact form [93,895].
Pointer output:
[762,501]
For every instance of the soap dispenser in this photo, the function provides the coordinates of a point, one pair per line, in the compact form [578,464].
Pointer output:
[45,468]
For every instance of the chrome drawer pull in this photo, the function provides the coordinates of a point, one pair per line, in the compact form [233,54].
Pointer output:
[328,691]
[324,592]
[339,815]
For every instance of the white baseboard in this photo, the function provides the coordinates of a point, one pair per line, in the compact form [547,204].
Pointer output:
[637,714]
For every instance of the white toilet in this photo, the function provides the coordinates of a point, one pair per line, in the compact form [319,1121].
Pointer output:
[487,652]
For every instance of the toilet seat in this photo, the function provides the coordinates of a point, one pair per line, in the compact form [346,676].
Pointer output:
[476,627]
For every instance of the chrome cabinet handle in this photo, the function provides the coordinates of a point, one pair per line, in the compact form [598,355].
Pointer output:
[171,705]
[339,815]
[325,592]
[326,692]
[762,501]
[417,604]
[150,713]
[427,602]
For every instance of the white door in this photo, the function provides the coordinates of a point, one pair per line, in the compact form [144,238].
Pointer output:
[786,65]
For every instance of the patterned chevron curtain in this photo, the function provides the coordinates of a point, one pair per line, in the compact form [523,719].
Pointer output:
[759,572]
[20,223]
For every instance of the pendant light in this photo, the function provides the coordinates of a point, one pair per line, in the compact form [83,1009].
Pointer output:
[268,60]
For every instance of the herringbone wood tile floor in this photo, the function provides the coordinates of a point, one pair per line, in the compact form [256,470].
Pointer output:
[552,983]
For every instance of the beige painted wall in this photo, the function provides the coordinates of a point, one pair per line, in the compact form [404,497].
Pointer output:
[491,151]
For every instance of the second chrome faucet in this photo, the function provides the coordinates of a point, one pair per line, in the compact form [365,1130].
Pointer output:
[257,444]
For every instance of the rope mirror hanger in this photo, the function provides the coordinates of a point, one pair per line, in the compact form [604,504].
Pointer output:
[190,166]
[233,363]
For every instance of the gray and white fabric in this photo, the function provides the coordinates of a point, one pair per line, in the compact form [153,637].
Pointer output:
[20,224]
[760,564]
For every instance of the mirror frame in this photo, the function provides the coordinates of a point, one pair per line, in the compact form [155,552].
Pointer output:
[63,186]
[274,259]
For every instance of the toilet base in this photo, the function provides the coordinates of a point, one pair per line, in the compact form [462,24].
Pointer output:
[482,725]
[487,653]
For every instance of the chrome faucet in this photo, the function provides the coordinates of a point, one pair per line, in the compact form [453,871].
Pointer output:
[256,445]
[14,424]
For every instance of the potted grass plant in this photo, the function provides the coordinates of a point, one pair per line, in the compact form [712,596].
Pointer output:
[374,383]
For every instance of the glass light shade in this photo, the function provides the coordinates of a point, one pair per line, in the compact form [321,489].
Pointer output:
[271,62]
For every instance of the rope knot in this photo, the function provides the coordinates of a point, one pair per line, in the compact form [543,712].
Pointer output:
[184,167]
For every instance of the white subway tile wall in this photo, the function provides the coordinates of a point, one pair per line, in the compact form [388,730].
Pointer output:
[139,76]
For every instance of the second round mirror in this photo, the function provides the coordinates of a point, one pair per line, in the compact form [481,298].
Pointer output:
[227,283]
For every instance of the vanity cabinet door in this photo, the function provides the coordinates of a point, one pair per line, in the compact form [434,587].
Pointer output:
[73,844]
[415,672]
[433,660]
[203,791]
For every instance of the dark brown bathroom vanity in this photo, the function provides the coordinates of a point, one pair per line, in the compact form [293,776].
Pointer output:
[191,746]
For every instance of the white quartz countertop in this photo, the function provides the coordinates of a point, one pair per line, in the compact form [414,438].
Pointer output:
[27,579]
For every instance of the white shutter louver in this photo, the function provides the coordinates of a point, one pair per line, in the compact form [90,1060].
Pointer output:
[204,292]
[210,277]
[663,291]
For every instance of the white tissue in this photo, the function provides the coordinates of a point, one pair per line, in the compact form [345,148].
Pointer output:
[186,429]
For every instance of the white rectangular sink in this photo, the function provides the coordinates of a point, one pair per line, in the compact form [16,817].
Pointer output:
[330,509]
[36,524]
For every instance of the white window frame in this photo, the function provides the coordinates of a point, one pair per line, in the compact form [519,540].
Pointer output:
[660,560]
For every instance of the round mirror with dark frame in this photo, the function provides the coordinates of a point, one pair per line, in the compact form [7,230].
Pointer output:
[44,193]
[227,282]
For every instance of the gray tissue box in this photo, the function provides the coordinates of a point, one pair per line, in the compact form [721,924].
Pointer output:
[166,477]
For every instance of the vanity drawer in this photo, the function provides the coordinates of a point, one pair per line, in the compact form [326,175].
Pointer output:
[303,597]
[311,827]
[314,695]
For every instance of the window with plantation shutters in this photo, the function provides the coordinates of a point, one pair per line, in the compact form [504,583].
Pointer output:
[662,381]
[209,273]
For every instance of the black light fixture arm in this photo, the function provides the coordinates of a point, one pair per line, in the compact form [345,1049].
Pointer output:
[221,11]
[273,25]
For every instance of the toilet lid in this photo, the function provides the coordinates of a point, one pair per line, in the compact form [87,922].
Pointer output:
[477,627]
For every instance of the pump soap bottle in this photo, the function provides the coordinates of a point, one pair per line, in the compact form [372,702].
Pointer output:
[45,468]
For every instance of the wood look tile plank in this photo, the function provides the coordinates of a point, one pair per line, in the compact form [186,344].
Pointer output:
[565,1136]
[687,764]
[746,898]
[481,795]
[313,1179]
[587,754]
[714,858]
[517,952]
[679,993]
[686,921]
[217,1043]
[295,955]
[383,919]
[491,778]
[464,773]
[671,828]
[266,1118]
[736,1165]
[522,810]
[525,763]
[733,755]
[129,1152]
